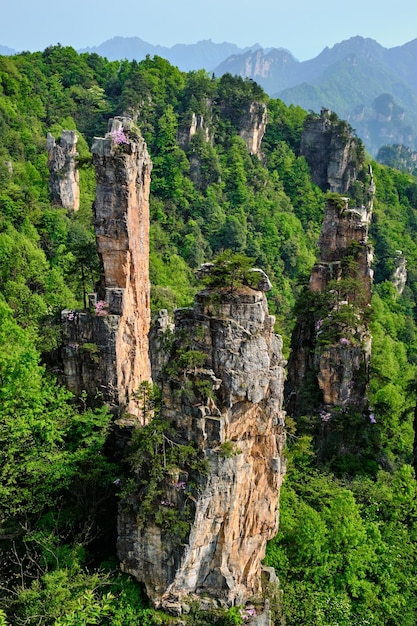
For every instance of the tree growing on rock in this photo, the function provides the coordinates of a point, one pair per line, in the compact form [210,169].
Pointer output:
[230,270]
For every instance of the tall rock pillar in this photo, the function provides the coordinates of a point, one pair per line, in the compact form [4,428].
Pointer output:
[64,178]
[328,370]
[107,347]
[222,398]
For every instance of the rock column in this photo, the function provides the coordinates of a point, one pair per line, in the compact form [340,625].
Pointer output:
[64,178]
[106,348]
[230,408]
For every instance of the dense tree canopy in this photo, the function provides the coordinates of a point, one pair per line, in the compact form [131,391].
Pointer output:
[345,552]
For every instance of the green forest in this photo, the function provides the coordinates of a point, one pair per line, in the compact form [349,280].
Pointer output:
[346,550]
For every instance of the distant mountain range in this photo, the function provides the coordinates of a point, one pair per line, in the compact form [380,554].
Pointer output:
[204,54]
[5,51]
[372,87]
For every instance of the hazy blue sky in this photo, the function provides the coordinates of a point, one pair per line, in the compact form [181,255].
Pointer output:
[303,26]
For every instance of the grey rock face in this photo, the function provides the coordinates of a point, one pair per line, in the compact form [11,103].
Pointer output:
[64,178]
[329,148]
[253,127]
[399,276]
[238,427]
[334,348]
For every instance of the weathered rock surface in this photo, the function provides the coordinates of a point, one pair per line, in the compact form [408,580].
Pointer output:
[253,127]
[187,131]
[116,333]
[330,149]
[64,178]
[161,329]
[399,275]
[331,347]
[238,426]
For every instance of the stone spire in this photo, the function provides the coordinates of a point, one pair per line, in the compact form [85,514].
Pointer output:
[107,347]
[229,408]
[64,178]
[331,344]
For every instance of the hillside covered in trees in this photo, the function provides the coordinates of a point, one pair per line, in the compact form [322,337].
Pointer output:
[345,552]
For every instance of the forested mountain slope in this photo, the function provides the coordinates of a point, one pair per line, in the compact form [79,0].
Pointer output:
[345,550]
[372,87]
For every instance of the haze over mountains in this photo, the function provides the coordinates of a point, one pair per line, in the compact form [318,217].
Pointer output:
[188,57]
[372,87]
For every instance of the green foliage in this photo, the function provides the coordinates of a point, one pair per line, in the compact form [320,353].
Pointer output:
[169,471]
[335,542]
[230,271]
[229,449]
[346,548]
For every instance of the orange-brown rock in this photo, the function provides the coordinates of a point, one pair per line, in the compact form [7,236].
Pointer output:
[343,226]
[238,426]
[119,325]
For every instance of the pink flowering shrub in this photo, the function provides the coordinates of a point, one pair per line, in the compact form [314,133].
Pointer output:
[101,308]
[344,342]
[246,614]
[325,417]
[118,136]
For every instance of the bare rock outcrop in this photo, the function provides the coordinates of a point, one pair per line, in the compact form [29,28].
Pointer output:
[399,275]
[64,177]
[187,131]
[106,348]
[253,127]
[331,344]
[332,151]
[222,395]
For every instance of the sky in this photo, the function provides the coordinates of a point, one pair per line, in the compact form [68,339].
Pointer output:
[304,27]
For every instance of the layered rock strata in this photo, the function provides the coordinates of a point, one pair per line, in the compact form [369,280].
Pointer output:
[106,348]
[64,177]
[332,344]
[253,127]
[229,407]
[331,151]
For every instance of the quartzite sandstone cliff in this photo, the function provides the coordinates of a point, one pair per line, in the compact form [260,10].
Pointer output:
[230,408]
[106,348]
[331,343]
[333,153]
[64,178]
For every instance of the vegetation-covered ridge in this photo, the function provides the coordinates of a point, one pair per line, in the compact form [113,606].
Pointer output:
[346,548]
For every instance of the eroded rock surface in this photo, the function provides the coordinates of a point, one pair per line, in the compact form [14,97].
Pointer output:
[64,177]
[253,127]
[332,152]
[115,360]
[331,344]
[230,408]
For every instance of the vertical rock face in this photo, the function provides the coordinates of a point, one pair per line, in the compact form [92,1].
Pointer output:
[187,131]
[331,344]
[330,150]
[229,406]
[254,126]
[399,275]
[64,178]
[116,359]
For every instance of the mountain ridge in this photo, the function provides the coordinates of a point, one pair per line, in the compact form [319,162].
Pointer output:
[203,54]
